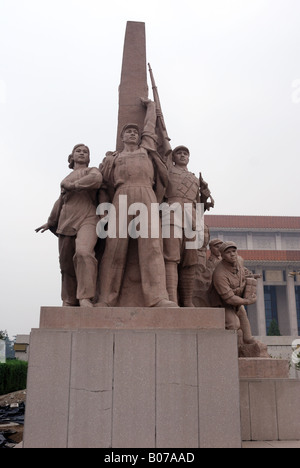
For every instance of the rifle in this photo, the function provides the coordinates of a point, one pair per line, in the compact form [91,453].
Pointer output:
[166,147]
[205,194]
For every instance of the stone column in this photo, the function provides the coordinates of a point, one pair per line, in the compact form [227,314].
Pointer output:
[249,241]
[260,303]
[291,304]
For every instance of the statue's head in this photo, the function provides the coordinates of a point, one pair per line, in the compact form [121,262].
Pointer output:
[181,155]
[214,246]
[79,151]
[131,133]
[228,251]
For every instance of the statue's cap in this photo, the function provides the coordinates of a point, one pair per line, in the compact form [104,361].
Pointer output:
[131,125]
[215,242]
[227,245]
[180,148]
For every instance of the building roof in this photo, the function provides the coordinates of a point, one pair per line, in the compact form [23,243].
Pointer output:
[253,222]
[270,255]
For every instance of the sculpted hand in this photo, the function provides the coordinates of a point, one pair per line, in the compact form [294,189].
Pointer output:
[145,101]
[67,185]
[43,228]
[251,300]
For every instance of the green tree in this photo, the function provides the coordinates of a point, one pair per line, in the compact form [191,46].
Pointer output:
[274,329]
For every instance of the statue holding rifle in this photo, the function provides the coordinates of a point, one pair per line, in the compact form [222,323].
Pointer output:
[183,189]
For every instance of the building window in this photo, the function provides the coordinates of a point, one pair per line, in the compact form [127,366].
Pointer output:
[239,238]
[264,241]
[297,290]
[291,241]
[270,305]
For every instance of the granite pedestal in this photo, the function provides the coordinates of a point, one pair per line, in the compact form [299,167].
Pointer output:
[263,368]
[134,377]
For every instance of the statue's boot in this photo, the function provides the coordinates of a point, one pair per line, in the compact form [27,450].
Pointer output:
[85,303]
[165,303]
[172,281]
[186,286]
[101,303]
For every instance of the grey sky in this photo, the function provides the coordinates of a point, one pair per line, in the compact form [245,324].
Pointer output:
[228,73]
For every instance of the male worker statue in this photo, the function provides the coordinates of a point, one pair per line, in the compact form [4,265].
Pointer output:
[138,174]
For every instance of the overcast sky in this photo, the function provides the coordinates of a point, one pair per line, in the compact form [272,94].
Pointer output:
[228,73]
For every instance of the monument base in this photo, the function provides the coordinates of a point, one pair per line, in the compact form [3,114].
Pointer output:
[268,400]
[263,368]
[162,378]
[270,409]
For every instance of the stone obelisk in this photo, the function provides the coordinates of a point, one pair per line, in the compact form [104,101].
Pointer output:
[133,83]
[132,87]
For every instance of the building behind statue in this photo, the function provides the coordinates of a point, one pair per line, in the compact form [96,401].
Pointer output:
[270,246]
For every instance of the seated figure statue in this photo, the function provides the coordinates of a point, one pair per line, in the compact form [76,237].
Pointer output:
[231,291]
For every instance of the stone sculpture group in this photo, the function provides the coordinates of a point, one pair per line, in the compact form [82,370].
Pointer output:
[138,174]
[131,232]
[94,270]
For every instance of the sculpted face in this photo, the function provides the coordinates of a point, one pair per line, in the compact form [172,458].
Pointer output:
[215,249]
[181,157]
[130,136]
[230,255]
[81,155]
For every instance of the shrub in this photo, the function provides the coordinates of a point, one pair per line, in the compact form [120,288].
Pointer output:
[274,329]
[13,376]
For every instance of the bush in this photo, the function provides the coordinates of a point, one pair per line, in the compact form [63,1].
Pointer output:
[13,376]
[274,329]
